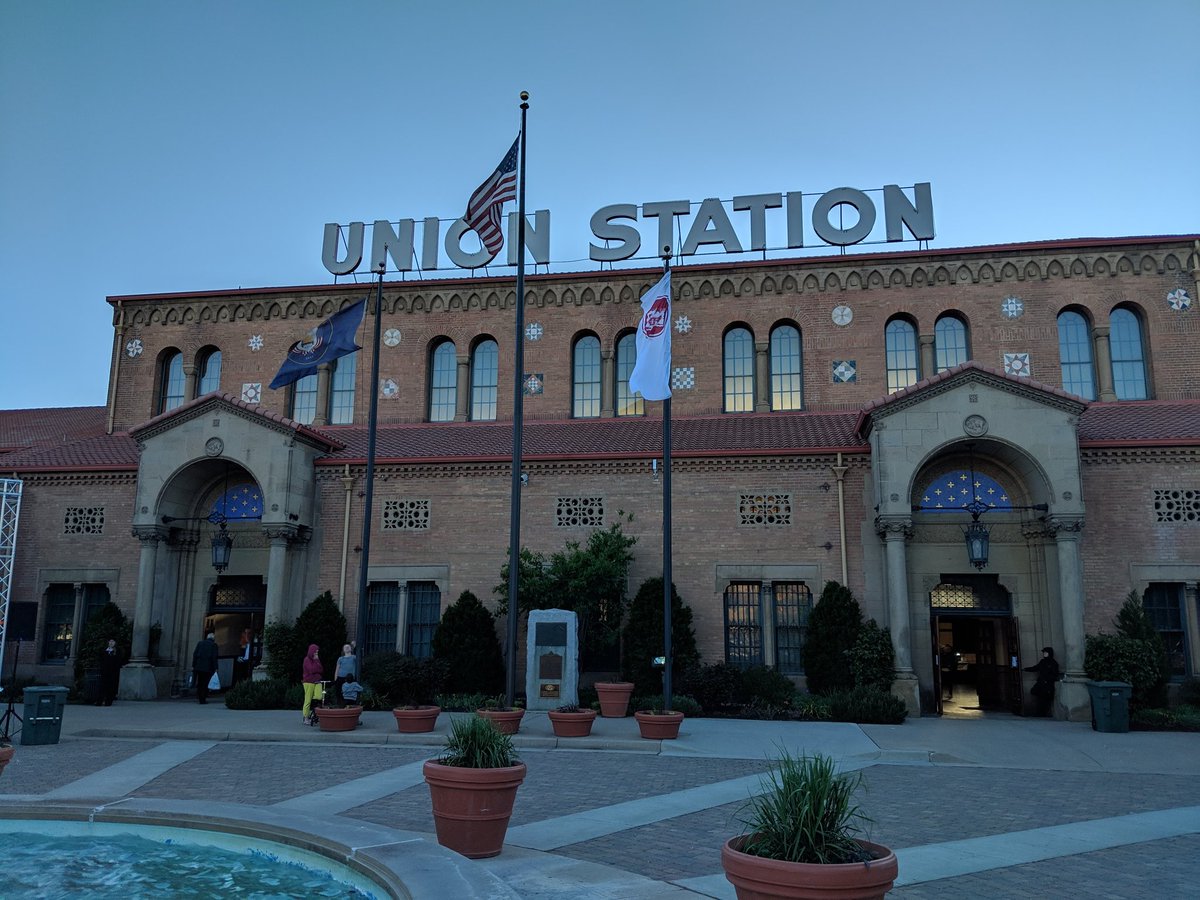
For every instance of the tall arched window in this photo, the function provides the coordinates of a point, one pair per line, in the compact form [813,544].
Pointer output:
[443,382]
[950,343]
[585,378]
[1075,355]
[170,381]
[341,392]
[739,370]
[1128,355]
[629,403]
[304,400]
[900,340]
[485,367]
[787,384]
[210,372]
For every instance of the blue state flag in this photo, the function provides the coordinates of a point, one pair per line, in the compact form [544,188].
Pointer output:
[330,340]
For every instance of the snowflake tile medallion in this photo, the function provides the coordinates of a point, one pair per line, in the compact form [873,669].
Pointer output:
[1179,300]
[388,388]
[134,348]
[252,392]
[256,342]
[1016,364]
[683,378]
[535,384]
[683,324]
[845,371]
[534,331]
[842,316]
[1012,307]
[391,337]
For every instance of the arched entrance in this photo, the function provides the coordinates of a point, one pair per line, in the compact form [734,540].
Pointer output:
[976,647]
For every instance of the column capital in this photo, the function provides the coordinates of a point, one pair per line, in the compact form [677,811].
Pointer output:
[1064,527]
[150,534]
[280,532]
[892,527]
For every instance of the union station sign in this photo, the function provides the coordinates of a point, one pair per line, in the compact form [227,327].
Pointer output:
[618,235]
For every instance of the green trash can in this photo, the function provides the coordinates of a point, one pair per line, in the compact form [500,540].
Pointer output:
[1110,705]
[43,714]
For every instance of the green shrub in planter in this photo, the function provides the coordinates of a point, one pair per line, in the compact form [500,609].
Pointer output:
[270,693]
[679,702]
[474,744]
[833,627]
[716,688]
[404,680]
[866,706]
[466,641]
[872,659]
[1115,657]
[461,702]
[643,637]
[763,686]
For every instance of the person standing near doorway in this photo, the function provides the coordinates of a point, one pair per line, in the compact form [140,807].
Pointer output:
[242,666]
[110,673]
[1047,675]
[204,664]
[948,658]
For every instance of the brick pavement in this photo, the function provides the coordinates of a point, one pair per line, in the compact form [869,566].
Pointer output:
[40,768]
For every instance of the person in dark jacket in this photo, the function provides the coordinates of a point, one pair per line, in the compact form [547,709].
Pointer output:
[204,663]
[1047,675]
[110,674]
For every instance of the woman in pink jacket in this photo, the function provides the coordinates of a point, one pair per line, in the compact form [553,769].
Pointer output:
[312,680]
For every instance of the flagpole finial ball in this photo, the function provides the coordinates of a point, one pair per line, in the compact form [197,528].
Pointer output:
[524,95]
[666,250]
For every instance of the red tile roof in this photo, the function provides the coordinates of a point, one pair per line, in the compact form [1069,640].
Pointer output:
[105,453]
[256,411]
[20,428]
[1147,423]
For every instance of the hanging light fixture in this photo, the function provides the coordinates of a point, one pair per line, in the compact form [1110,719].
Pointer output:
[222,548]
[977,536]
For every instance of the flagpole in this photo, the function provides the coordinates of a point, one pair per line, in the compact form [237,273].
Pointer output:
[667,662]
[360,628]
[514,523]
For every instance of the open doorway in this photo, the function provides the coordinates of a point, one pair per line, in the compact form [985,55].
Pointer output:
[236,613]
[976,656]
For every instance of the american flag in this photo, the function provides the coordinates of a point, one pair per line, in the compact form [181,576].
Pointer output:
[486,204]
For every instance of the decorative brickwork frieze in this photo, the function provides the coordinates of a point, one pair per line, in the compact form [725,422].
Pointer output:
[84,520]
[572,512]
[1177,505]
[765,509]
[405,515]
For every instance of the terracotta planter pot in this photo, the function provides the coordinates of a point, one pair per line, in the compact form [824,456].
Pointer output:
[6,755]
[660,726]
[757,878]
[416,720]
[506,721]
[471,807]
[614,698]
[572,724]
[332,718]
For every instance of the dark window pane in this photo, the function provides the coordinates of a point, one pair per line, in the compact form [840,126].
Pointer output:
[172,382]
[743,631]
[383,614]
[341,393]
[443,383]
[1164,607]
[304,400]
[60,617]
[950,342]
[586,378]
[1075,355]
[210,373]
[786,369]
[739,371]
[900,339]
[424,613]
[793,602]
[1128,359]
[484,381]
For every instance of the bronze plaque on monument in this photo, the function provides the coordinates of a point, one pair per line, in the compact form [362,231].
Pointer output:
[550,666]
[549,691]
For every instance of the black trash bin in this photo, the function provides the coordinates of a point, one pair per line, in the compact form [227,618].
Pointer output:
[1110,705]
[43,714]
[91,687]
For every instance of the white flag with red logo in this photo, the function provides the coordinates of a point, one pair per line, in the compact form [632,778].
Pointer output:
[651,374]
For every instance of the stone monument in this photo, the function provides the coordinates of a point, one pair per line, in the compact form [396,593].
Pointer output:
[552,659]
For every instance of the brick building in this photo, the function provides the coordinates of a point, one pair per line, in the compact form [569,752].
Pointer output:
[829,417]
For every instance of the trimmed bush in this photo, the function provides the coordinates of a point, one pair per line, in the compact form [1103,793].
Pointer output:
[401,680]
[1114,657]
[808,708]
[320,623]
[293,698]
[872,659]
[643,637]
[866,706]
[1133,622]
[716,688]
[1189,692]
[679,702]
[461,702]
[833,628]
[764,687]
[466,642]
[105,623]
[270,693]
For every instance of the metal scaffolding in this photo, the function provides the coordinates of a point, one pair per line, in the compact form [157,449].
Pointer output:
[10,510]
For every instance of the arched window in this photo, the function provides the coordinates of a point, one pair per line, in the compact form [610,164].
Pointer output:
[341,392]
[585,379]
[1075,355]
[951,491]
[739,370]
[950,343]
[900,340]
[787,384]
[210,373]
[485,366]
[170,381]
[629,403]
[304,400]
[1128,355]
[443,382]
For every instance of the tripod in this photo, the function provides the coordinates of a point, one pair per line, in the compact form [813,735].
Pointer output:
[6,733]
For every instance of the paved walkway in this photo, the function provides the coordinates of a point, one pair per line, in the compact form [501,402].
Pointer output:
[996,807]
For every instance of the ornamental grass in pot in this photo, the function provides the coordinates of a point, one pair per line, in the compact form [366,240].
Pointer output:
[571,721]
[802,837]
[473,786]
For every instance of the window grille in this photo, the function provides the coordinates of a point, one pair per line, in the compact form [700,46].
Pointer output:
[1177,505]
[84,520]
[405,515]
[383,614]
[765,509]
[424,612]
[793,603]
[573,512]
[743,630]
[1164,607]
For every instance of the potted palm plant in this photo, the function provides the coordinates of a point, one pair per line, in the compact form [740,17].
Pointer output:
[473,786]
[571,721]
[802,837]
[506,719]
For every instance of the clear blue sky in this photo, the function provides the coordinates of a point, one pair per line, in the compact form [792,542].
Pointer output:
[149,146]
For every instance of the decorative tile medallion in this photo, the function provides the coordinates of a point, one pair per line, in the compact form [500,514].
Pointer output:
[134,348]
[388,388]
[845,371]
[534,384]
[534,331]
[391,337]
[1179,300]
[683,324]
[1012,307]
[252,392]
[256,342]
[842,316]
[1016,364]
[683,378]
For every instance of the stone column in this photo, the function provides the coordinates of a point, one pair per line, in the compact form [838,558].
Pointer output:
[462,387]
[77,624]
[278,538]
[1103,356]
[324,383]
[1073,700]
[608,381]
[762,376]
[137,676]
[189,383]
[928,356]
[895,531]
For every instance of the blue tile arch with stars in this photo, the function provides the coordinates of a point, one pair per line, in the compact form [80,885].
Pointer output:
[951,491]
[242,501]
